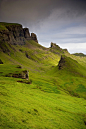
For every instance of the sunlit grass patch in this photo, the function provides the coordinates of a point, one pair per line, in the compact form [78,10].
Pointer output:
[26,107]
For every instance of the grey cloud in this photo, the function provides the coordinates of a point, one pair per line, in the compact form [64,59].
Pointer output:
[25,11]
[60,21]
[32,11]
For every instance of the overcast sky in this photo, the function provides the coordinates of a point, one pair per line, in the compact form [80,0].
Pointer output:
[60,21]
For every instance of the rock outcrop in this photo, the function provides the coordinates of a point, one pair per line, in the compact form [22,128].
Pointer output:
[61,62]
[26,33]
[53,45]
[1,61]
[34,37]
[57,50]
[15,34]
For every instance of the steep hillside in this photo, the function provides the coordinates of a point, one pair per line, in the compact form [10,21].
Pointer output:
[54,96]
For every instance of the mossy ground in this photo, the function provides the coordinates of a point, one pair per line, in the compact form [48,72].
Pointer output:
[56,99]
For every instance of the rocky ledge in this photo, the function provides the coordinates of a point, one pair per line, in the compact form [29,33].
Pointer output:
[15,34]
[61,63]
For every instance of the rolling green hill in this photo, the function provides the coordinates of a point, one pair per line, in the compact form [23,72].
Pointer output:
[54,97]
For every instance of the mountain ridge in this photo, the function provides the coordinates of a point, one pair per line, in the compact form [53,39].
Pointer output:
[14,34]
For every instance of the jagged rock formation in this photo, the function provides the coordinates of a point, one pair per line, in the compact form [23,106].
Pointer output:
[61,62]
[65,50]
[56,47]
[53,45]
[57,50]
[34,37]
[15,34]
[26,33]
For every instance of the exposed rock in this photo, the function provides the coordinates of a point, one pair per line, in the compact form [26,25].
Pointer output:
[4,48]
[57,50]
[25,81]
[34,37]
[4,36]
[1,61]
[15,34]
[26,33]
[65,50]
[61,62]
[53,45]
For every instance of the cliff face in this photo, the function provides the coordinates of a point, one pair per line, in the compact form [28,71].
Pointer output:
[15,34]
[61,63]
[34,37]
[26,33]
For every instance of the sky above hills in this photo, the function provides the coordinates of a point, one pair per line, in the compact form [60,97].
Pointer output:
[60,21]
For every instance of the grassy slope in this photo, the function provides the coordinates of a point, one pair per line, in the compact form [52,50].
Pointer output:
[72,77]
[49,101]
[25,106]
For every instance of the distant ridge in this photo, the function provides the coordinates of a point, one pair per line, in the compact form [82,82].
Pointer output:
[57,50]
[79,54]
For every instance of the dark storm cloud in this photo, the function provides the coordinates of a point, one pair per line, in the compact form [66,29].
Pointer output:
[60,21]
[26,10]
[31,11]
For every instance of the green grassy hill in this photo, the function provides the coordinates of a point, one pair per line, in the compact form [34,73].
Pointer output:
[52,98]
[79,54]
